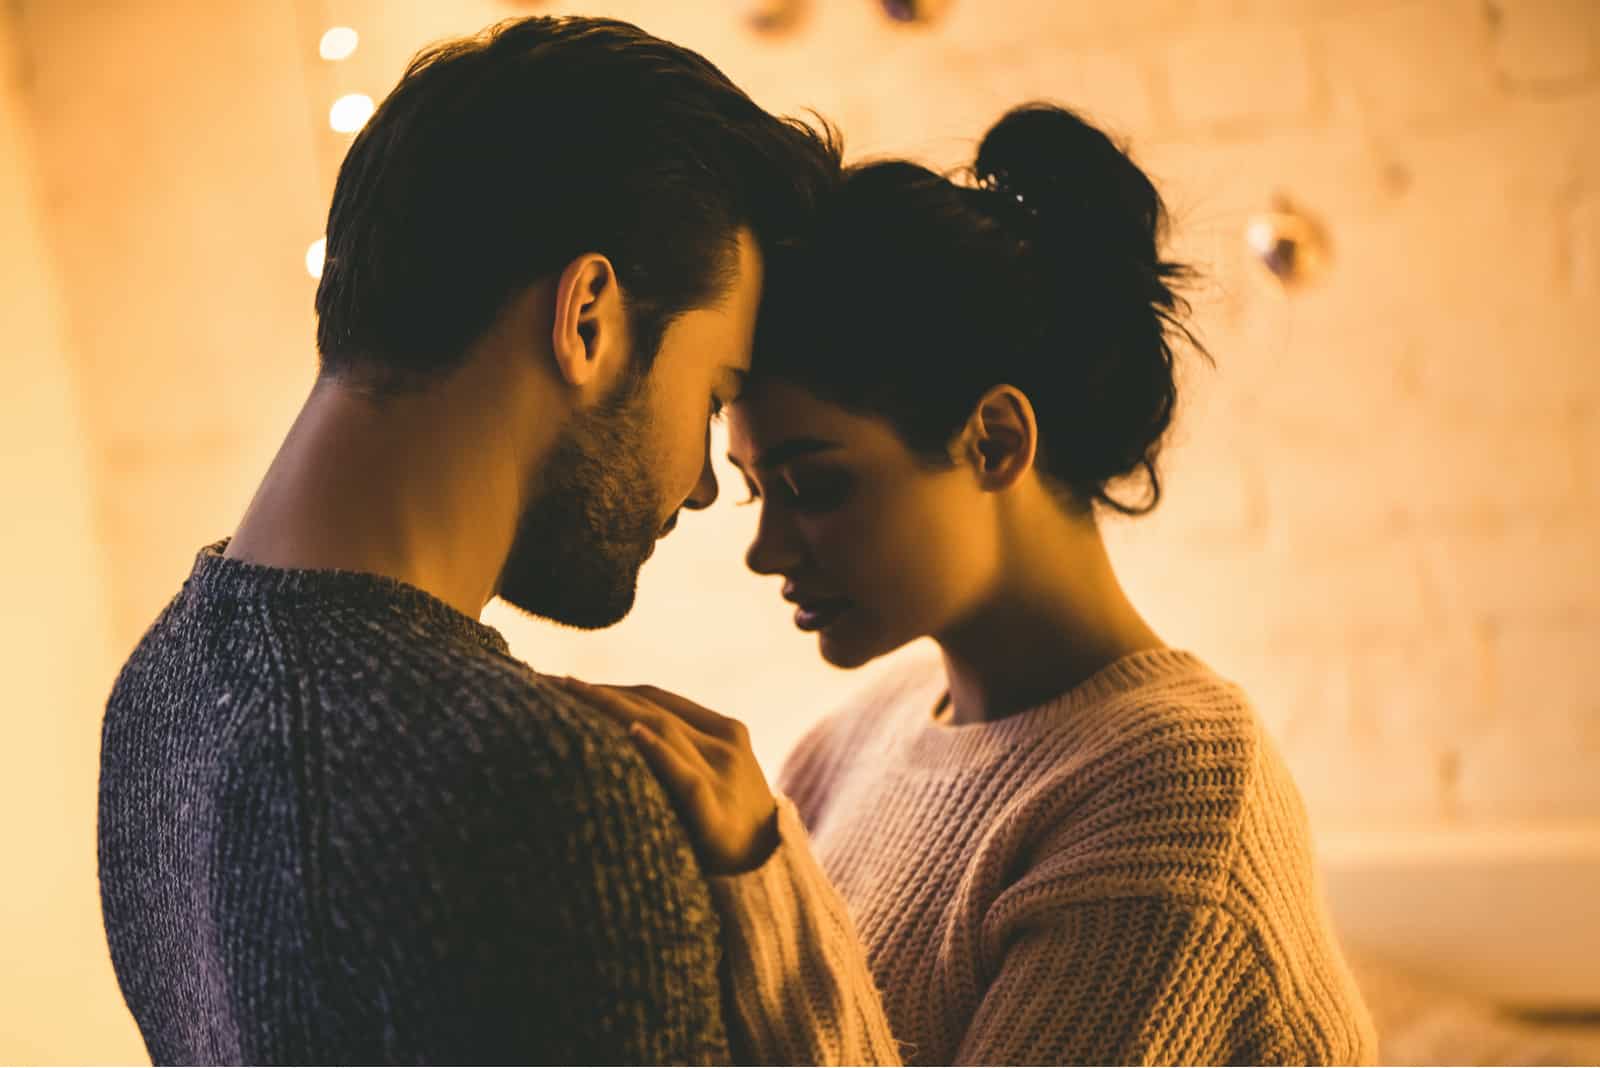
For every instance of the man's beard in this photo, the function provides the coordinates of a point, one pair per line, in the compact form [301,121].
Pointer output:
[592,521]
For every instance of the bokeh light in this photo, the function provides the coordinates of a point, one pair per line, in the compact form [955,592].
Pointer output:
[351,112]
[338,43]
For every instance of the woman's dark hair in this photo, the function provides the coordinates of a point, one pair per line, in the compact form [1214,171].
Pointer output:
[1042,271]
[500,158]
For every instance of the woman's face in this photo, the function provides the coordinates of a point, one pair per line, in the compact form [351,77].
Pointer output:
[875,547]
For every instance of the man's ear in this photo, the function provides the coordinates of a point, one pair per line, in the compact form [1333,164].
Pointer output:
[1001,437]
[588,335]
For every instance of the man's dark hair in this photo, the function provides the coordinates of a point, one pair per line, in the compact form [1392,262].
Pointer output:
[500,158]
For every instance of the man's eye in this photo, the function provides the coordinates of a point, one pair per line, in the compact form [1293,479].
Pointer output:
[716,407]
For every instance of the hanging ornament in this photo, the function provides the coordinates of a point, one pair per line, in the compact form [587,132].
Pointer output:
[777,16]
[1289,243]
[915,11]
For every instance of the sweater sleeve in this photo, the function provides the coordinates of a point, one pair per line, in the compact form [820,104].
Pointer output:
[1131,981]
[527,898]
[1118,981]
[801,991]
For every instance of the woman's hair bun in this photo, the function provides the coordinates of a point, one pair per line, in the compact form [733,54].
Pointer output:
[916,293]
[1071,178]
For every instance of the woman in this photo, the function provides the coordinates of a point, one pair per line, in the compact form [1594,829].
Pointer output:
[1061,841]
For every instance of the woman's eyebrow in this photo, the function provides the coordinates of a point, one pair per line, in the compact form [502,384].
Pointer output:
[792,449]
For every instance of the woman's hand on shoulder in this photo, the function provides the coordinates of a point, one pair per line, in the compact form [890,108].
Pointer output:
[707,766]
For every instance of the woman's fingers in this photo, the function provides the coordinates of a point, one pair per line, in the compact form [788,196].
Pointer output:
[630,710]
[622,706]
[654,706]
[685,781]
[705,762]
[696,716]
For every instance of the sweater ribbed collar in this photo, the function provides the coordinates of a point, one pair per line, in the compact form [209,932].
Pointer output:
[215,575]
[933,745]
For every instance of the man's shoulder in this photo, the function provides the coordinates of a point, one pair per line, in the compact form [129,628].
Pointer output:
[482,722]
[507,784]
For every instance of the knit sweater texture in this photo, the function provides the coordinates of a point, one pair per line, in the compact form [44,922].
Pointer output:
[1120,876]
[340,823]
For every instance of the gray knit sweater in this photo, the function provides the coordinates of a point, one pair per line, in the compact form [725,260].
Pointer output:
[340,823]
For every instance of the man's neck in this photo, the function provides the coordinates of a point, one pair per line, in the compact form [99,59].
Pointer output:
[395,486]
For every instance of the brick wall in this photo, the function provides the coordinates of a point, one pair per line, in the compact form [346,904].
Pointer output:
[1383,501]
[1382,513]
[1384,505]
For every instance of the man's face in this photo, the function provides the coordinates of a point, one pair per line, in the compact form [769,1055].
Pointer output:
[616,479]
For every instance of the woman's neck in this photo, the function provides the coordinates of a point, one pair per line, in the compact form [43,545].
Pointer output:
[1056,616]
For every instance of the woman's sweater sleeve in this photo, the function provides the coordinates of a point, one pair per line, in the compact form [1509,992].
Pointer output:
[1139,980]
[1101,981]
[801,990]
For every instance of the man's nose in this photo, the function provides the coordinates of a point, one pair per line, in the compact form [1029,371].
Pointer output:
[704,493]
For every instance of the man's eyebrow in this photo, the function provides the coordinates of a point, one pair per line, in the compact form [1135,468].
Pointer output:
[792,449]
[737,376]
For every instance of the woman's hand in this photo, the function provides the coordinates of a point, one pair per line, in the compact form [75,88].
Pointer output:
[705,762]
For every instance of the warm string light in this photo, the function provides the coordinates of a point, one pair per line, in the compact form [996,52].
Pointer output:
[346,115]
[338,43]
[315,255]
[350,112]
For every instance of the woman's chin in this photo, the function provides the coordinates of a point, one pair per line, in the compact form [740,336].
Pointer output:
[840,656]
[845,650]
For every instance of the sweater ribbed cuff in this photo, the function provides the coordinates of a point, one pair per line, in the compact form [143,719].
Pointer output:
[802,991]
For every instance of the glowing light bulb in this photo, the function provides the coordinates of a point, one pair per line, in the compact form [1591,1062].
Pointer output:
[1289,243]
[315,255]
[351,112]
[338,43]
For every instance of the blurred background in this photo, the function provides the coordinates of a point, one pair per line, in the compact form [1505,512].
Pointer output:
[1384,502]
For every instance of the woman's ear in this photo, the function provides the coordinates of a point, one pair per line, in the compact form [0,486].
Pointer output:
[589,329]
[1001,437]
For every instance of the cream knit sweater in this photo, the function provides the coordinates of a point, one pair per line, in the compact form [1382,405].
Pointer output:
[1120,876]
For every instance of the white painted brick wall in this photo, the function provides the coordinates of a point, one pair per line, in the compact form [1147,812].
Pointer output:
[1544,44]
[1384,503]
[1414,64]
[1242,79]
[1581,231]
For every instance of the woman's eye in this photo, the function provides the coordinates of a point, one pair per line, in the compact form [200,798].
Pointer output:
[811,494]
[818,493]
[716,407]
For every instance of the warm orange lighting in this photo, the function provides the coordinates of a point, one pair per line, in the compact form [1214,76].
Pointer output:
[351,112]
[314,257]
[338,43]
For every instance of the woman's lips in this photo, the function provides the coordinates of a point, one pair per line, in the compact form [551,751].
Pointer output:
[816,615]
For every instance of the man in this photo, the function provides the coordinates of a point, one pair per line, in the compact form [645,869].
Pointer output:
[339,822]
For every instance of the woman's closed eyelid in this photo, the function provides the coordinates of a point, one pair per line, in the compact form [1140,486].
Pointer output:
[827,489]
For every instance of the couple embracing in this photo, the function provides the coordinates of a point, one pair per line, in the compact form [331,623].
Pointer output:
[340,822]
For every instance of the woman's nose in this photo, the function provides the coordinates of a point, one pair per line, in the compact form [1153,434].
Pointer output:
[775,549]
